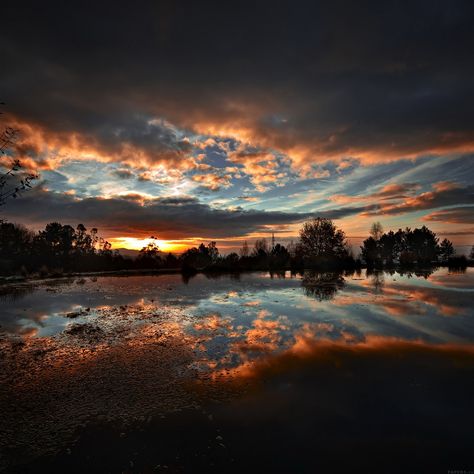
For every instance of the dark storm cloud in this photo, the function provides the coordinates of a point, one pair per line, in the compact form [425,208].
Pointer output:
[457,215]
[170,217]
[156,138]
[333,77]
[443,194]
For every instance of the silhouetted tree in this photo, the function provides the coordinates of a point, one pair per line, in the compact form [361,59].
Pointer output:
[260,248]
[15,247]
[12,181]
[389,246]
[150,250]
[244,251]
[407,246]
[212,251]
[382,251]
[149,256]
[446,250]
[190,258]
[322,242]
[296,256]
[232,260]
[171,261]
[85,243]
[105,248]
[56,249]
[423,243]
[201,257]
[370,251]
[15,240]
[279,256]
[57,239]
[376,230]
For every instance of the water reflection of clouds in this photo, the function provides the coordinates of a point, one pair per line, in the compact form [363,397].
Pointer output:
[458,280]
[218,335]
[237,320]
[401,307]
[377,352]
[348,348]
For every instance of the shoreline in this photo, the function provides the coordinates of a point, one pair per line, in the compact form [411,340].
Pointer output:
[5,280]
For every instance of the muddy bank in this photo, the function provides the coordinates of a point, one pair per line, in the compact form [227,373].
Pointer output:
[126,365]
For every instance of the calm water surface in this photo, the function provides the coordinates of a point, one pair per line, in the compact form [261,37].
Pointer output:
[261,311]
[251,373]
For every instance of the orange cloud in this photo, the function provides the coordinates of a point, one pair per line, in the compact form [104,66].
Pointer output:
[442,194]
[261,166]
[39,148]
[213,181]
[457,215]
[392,191]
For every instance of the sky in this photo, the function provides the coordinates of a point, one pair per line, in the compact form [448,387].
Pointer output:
[228,121]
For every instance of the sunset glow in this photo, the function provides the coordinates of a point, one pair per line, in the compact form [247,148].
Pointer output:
[237,237]
[355,135]
[133,243]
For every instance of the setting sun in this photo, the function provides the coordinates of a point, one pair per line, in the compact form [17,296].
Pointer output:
[133,243]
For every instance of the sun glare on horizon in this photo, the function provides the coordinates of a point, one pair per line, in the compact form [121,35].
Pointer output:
[133,243]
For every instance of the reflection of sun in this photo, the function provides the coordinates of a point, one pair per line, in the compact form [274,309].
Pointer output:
[133,243]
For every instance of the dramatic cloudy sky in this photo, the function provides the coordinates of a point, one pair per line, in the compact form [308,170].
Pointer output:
[229,120]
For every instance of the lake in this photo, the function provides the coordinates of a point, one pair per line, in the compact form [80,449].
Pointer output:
[165,373]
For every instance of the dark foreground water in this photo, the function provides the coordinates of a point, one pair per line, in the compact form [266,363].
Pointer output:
[312,373]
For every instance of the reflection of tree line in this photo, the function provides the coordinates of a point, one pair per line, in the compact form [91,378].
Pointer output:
[324,285]
[321,246]
[14,293]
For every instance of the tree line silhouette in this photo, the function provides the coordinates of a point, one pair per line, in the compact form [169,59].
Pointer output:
[59,249]
[408,247]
